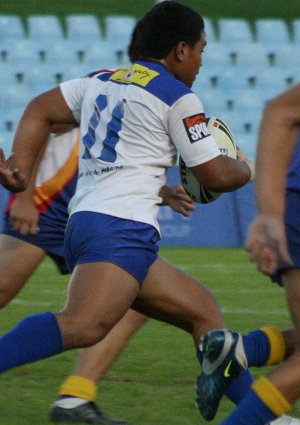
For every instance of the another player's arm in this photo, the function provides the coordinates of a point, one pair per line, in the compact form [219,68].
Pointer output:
[267,241]
[32,133]
[23,213]
[277,138]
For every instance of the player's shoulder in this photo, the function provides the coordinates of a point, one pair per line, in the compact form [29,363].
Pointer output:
[166,86]
[154,78]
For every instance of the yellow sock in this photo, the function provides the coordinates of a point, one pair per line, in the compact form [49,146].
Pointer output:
[271,396]
[77,386]
[277,345]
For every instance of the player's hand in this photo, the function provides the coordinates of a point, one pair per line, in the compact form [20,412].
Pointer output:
[11,177]
[267,244]
[23,215]
[241,156]
[177,198]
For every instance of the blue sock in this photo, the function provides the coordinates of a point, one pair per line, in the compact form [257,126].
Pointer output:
[252,411]
[34,338]
[239,387]
[257,348]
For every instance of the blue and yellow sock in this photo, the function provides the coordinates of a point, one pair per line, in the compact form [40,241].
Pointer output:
[262,404]
[34,338]
[264,347]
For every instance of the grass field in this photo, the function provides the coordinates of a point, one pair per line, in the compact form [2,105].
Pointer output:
[218,8]
[153,381]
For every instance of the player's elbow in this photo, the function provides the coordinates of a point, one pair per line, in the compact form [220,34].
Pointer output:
[223,183]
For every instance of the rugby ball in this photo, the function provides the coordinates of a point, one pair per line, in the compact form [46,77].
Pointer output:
[226,143]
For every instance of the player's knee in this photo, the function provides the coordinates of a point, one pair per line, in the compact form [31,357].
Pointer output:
[81,332]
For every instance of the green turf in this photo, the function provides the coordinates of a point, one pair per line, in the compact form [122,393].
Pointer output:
[218,8]
[153,381]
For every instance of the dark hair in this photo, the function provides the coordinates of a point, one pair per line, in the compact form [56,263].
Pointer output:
[162,28]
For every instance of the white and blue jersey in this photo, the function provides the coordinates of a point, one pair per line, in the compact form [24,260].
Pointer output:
[133,121]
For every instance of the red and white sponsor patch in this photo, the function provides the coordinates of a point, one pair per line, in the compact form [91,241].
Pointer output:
[195,127]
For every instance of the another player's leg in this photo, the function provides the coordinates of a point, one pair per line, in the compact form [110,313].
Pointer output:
[15,273]
[171,295]
[78,392]
[269,396]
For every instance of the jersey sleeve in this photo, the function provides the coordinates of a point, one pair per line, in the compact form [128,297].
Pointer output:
[73,92]
[189,132]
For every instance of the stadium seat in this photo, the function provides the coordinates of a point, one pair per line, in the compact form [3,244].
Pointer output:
[39,79]
[62,51]
[15,97]
[101,56]
[251,54]
[44,27]
[243,122]
[216,54]
[288,56]
[83,27]
[10,118]
[249,101]
[272,32]
[21,53]
[118,29]
[6,139]
[11,28]
[78,71]
[248,143]
[276,80]
[211,36]
[234,31]
[57,72]
[296,31]
[8,78]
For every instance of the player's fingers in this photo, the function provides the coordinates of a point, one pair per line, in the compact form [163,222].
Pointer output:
[254,248]
[24,228]
[284,254]
[181,193]
[33,229]
[268,261]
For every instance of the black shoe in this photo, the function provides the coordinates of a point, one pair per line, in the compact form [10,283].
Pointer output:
[85,413]
[223,360]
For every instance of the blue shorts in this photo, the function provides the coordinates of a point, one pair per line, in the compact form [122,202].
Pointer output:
[50,238]
[95,237]
[292,223]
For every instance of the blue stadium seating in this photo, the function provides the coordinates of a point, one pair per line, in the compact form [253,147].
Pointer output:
[11,28]
[234,31]
[83,26]
[118,29]
[44,27]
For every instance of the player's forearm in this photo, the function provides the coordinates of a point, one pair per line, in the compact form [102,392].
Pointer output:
[32,132]
[35,126]
[277,140]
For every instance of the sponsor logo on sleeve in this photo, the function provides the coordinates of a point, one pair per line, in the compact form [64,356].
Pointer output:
[195,127]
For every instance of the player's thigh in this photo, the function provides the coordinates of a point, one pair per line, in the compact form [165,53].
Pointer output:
[171,295]
[291,282]
[18,260]
[99,295]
